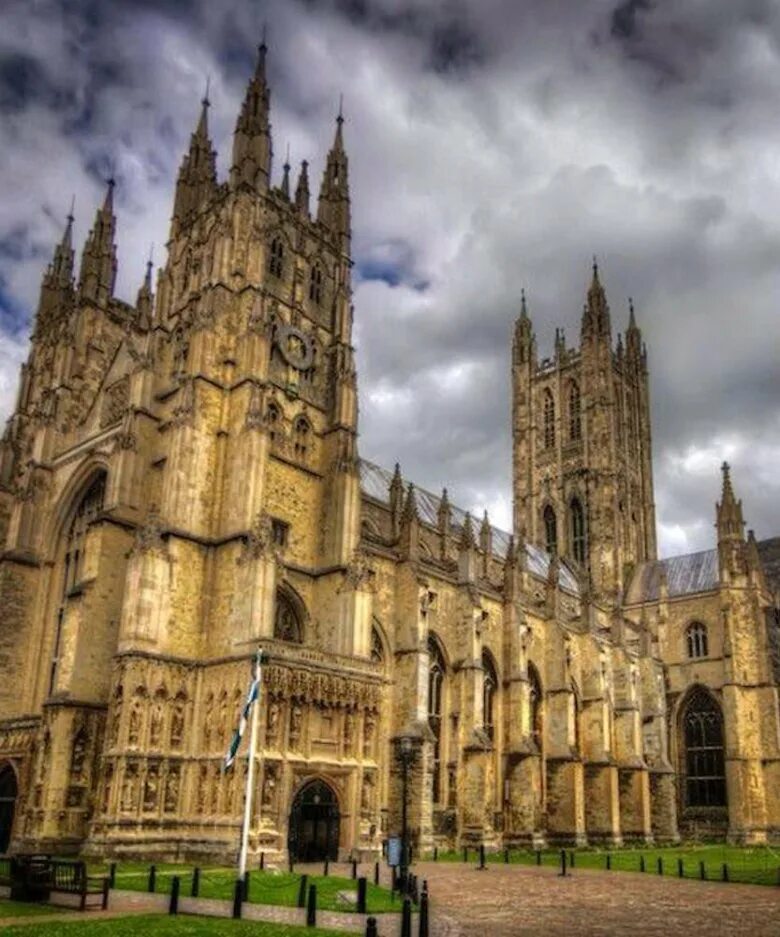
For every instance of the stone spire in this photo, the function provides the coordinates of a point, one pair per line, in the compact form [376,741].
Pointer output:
[302,190]
[410,512]
[98,261]
[144,303]
[334,209]
[730,523]
[467,541]
[524,342]
[57,283]
[595,316]
[443,516]
[485,534]
[252,150]
[633,336]
[197,180]
[285,186]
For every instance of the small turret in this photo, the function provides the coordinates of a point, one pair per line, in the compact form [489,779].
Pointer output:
[144,303]
[302,190]
[57,283]
[98,261]
[396,497]
[197,181]
[334,207]
[285,186]
[467,541]
[633,338]
[595,315]
[410,512]
[524,342]
[252,150]
[730,523]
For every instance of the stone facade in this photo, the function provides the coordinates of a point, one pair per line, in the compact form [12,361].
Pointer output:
[180,483]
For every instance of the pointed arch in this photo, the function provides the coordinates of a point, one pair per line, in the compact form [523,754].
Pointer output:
[9,791]
[276,252]
[575,411]
[577,530]
[550,524]
[316,278]
[289,615]
[697,639]
[437,673]
[702,749]
[489,694]
[548,415]
[302,438]
[536,702]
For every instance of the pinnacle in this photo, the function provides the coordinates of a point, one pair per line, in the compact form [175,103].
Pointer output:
[108,201]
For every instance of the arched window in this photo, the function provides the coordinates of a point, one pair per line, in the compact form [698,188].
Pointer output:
[273,419]
[302,438]
[489,690]
[577,524]
[315,284]
[575,412]
[436,672]
[549,419]
[696,638]
[276,257]
[550,530]
[702,731]
[287,622]
[535,702]
[72,568]
[377,648]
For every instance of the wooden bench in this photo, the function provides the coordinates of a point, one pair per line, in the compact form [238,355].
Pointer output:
[71,878]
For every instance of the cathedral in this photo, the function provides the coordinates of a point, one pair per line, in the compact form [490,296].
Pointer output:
[180,483]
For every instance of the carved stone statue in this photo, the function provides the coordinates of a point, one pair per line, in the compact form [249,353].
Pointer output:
[369,726]
[177,724]
[156,724]
[171,804]
[296,718]
[272,724]
[269,785]
[151,789]
[78,754]
[134,727]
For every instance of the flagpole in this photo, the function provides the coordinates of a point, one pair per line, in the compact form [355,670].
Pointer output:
[250,774]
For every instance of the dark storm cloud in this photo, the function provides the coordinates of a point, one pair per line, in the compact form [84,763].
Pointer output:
[493,145]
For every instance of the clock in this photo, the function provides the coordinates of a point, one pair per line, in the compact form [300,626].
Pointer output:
[296,347]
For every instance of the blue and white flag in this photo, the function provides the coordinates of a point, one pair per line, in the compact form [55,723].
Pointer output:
[251,699]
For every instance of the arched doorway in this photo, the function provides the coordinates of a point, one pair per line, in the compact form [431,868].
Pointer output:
[314,823]
[8,793]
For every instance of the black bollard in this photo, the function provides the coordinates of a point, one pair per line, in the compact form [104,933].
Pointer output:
[680,869]
[563,863]
[311,907]
[262,861]
[571,859]
[423,931]
[394,883]
[354,869]
[376,873]
[173,906]
[238,895]
[246,885]
[195,890]
[106,886]
[465,853]
[702,871]
[406,919]
[660,865]
[506,856]
[326,867]
[641,863]
[481,856]
[112,875]
[371,927]
[302,891]
[435,853]
[152,877]
[361,895]
[725,872]
[538,856]
[609,862]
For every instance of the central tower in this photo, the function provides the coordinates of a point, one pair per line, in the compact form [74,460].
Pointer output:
[582,465]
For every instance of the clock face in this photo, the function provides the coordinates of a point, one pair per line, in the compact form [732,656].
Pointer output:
[296,347]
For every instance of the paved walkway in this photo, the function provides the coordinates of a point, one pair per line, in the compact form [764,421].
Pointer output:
[525,900]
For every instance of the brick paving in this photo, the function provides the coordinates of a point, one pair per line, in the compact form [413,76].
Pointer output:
[525,900]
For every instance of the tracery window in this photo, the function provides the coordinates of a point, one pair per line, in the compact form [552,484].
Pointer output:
[696,639]
[72,568]
[549,419]
[302,438]
[436,673]
[315,284]
[550,530]
[489,690]
[276,257]
[575,412]
[287,622]
[577,523]
[702,730]
[273,419]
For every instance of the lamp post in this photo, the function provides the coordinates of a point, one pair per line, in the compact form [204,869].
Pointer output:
[406,755]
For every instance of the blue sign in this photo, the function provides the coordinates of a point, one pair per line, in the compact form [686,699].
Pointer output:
[394,850]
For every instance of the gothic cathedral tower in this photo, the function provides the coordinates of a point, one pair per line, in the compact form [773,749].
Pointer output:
[582,465]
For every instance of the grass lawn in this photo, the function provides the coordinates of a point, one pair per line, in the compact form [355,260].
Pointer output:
[269,887]
[21,909]
[157,925]
[758,865]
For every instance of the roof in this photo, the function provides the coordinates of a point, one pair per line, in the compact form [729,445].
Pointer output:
[692,572]
[375,483]
[769,553]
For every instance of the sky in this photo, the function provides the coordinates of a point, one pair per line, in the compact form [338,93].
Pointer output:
[494,146]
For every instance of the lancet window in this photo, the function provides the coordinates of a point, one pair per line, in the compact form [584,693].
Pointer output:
[549,419]
[702,731]
[436,674]
[575,412]
[577,523]
[696,639]
[276,257]
[550,530]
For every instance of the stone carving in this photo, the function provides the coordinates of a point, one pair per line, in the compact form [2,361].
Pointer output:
[272,725]
[78,753]
[115,401]
[177,722]
[134,726]
[260,540]
[171,801]
[151,787]
[358,574]
[201,789]
[208,715]
[270,780]
[130,789]
[349,731]
[367,794]
[149,537]
[369,726]
[156,721]
[255,418]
